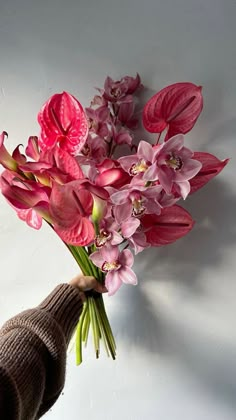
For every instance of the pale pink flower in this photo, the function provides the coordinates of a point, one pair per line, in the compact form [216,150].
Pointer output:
[138,163]
[135,201]
[117,265]
[173,164]
[94,151]
[121,136]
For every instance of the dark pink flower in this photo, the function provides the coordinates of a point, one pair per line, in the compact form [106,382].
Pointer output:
[94,151]
[173,223]
[121,136]
[28,198]
[175,108]
[116,91]
[117,265]
[63,122]
[98,119]
[211,166]
[71,206]
[173,164]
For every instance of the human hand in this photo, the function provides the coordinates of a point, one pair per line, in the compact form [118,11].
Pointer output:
[86,283]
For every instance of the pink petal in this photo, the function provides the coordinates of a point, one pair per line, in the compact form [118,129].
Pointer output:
[127,162]
[123,212]
[110,253]
[126,258]
[33,219]
[128,276]
[145,151]
[112,282]
[97,258]
[32,149]
[120,197]
[165,176]
[151,173]
[190,168]
[129,227]
[67,164]
[184,189]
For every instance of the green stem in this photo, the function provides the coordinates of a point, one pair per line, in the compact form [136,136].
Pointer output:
[78,341]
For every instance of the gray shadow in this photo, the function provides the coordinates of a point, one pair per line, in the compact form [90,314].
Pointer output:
[210,362]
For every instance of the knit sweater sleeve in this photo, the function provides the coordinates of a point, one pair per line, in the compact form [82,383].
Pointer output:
[33,355]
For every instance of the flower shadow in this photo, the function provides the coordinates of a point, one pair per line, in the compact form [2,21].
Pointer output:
[151,326]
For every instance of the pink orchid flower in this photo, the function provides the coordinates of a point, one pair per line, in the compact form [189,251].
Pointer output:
[211,166]
[138,241]
[94,151]
[28,198]
[139,162]
[115,91]
[125,114]
[175,108]
[173,223]
[121,136]
[117,265]
[173,164]
[135,201]
[63,122]
[98,119]
[71,206]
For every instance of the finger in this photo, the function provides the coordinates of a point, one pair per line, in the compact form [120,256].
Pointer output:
[100,288]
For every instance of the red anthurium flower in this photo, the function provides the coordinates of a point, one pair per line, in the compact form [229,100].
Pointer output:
[173,223]
[175,108]
[211,166]
[63,122]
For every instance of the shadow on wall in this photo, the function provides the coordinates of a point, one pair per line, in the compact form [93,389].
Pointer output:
[211,362]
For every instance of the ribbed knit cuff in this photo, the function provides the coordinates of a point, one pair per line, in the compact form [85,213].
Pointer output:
[65,305]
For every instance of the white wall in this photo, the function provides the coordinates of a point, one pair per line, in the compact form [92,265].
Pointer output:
[175,331]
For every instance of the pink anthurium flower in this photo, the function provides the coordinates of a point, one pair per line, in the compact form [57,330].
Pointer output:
[173,164]
[71,206]
[175,108]
[173,223]
[63,122]
[117,265]
[211,166]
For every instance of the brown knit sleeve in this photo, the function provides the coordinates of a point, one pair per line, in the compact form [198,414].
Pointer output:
[33,355]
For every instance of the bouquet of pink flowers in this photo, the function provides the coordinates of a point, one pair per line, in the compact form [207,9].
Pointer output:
[106,207]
